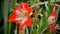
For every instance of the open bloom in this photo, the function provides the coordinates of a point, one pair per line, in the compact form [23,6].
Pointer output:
[22,15]
[29,10]
[18,16]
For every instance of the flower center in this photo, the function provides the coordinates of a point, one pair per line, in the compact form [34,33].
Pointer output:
[24,14]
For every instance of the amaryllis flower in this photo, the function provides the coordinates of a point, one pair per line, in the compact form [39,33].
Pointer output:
[28,22]
[55,7]
[22,15]
[52,18]
[54,15]
[53,28]
[18,16]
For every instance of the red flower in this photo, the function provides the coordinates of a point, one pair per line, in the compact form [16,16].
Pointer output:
[16,17]
[54,15]
[55,7]
[24,5]
[19,15]
[52,18]
[28,21]
[53,28]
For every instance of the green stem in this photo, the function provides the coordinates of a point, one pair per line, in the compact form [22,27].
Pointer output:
[16,29]
[9,28]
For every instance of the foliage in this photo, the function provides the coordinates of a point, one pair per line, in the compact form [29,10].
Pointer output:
[45,12]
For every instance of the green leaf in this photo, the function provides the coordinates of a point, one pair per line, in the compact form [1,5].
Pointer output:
[44,24]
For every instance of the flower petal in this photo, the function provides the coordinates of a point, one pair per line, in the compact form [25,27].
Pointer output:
[17,11]
[55,7]
[53,28]
[12,19]
[24,5]
[29,9]
[54,14]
